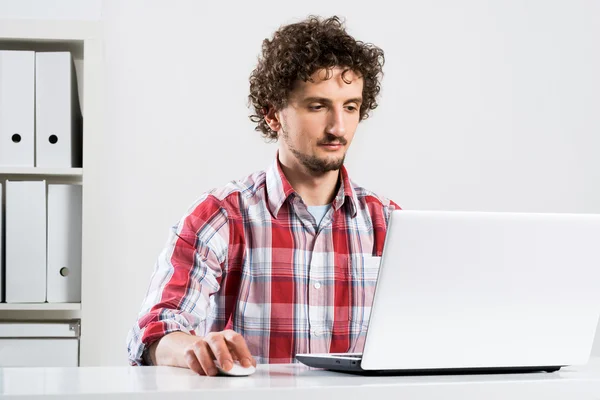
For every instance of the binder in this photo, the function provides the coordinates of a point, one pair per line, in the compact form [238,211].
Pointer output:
[39,353]
[17,91]
[58,131]
[39,329]
[39,344]
[1,247]
[64,243]
[25,242]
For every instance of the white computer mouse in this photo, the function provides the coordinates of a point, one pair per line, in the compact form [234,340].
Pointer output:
[237,369]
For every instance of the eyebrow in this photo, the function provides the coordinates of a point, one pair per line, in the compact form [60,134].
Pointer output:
[327,101]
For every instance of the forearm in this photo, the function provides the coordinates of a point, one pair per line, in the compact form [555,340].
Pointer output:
[170,349]
[178,299]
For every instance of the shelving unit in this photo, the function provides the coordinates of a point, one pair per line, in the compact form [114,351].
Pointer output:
[83,40]
[40,306]
[41,172]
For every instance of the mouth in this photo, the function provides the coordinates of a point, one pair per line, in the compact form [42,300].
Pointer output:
[331,146]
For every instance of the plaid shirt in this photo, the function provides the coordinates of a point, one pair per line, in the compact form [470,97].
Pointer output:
[249,257]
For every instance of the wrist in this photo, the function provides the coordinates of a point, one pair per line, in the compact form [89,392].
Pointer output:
[171,349]
[146,358]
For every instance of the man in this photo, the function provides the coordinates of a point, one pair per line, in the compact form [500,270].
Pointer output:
[284,261]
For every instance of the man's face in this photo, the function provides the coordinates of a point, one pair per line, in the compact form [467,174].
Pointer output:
[318,124]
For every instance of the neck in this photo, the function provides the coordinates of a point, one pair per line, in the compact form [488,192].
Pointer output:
[315,190]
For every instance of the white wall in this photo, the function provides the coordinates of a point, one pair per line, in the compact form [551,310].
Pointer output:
[51,9]
[485,106]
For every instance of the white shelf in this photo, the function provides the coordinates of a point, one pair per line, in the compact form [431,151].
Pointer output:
[41,171]
[40,306]
[83,39]
[48,30]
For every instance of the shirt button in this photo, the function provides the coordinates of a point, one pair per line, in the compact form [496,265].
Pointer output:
[316,333]
[317,285]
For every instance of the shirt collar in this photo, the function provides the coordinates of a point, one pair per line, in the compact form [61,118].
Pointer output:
[279,189]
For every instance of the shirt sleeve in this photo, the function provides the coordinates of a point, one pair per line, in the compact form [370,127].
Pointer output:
[188,271]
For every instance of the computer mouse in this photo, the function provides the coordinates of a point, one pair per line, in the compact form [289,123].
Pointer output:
[237,369]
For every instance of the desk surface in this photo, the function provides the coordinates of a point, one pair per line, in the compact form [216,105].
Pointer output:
[290,381]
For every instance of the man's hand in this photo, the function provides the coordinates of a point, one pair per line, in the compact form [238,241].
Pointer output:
[225,346]
[198,353]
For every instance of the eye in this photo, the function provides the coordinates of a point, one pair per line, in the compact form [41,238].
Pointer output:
[315,107]
[351,108]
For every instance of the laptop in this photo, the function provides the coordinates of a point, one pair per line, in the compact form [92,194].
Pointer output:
[480,292]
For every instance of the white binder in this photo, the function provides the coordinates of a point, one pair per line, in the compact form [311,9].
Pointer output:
[17,91]
[64,244]
[39,353]
[39,344]
[39,329]
[25,242]
[58,128]
[1,246]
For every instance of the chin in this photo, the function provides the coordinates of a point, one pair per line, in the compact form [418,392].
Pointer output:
[332,163]
[335,159]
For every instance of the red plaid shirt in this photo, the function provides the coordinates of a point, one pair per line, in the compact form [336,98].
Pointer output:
[249,257]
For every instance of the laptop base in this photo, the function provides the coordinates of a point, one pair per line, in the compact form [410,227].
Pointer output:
[352,366]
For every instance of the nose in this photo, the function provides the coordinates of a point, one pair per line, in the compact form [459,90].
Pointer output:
[336,124]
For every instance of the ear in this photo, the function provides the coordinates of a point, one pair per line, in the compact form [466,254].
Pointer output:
[272,118]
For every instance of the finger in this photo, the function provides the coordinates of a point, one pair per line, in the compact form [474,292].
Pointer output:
[232,352]
[240,348]
[205,357]
[217,344]
[192,361]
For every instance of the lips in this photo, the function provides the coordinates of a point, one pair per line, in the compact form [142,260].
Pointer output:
[332,146]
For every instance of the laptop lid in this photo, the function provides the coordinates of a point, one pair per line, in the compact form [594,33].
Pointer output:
[482,289]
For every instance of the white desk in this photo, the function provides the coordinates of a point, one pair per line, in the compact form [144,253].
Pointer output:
[290,382]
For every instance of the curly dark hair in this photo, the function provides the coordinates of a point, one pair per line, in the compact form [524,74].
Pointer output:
[298,50]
